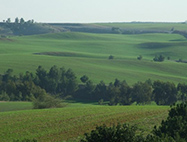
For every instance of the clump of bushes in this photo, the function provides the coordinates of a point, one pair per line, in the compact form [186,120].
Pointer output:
[46,101]
[159,58]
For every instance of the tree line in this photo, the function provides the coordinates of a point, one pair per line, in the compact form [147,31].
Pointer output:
[23,27]
[60,83]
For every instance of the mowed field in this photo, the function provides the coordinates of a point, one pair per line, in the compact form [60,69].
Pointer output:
[71,122]
[87,54]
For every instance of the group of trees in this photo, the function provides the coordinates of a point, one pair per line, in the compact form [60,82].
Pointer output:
[59,82]
[159,58]
[28,86]
[119,92]
[22,27]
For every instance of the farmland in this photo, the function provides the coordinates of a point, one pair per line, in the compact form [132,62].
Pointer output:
[73,121]
[88,54]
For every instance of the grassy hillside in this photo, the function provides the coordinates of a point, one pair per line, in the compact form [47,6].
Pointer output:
[74,120]
[88,54]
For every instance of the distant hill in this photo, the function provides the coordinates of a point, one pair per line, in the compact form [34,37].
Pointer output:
[21,27]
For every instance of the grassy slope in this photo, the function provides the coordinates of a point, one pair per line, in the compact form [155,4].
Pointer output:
[88,54]
[74,120]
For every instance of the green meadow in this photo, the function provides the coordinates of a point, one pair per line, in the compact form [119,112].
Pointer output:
[71,122]
[87,54]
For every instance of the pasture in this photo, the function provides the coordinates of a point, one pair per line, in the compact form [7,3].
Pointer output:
[87,54]
[71,122]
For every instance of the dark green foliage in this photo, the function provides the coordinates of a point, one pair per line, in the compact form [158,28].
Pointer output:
[142,93]
[176,124]
[111,57]
[139,57]
[119,93]
[100,91]
[84,78]
[85,92]
[25,140]
[165,93]
[159,58]
[4,96]
[119,133]
[182,92]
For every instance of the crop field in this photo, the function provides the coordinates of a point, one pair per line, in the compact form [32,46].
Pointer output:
[71,122]
[87,54]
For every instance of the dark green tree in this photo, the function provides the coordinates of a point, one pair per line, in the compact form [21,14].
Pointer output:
[175,125]
[165,93]
[142,93]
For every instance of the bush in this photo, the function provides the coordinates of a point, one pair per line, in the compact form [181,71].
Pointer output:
[46,101]
[139,57]
[84,79]
[111,57]
[119,133]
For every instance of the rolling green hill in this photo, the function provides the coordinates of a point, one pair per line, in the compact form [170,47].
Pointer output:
[88,54]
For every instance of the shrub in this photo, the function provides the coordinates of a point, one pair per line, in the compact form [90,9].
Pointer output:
[139,57]
[46,101]
[84,79]
[111,57]
[119,133]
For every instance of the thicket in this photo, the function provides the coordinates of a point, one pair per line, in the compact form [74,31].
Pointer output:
[173,129]
[60,83]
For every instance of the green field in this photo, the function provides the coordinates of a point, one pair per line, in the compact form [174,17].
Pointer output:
[71,122]
[88,54]
[14,106]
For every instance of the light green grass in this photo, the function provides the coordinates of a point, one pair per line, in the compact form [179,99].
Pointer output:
[73,121]
[88,54]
